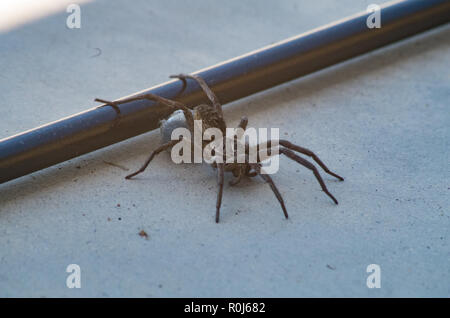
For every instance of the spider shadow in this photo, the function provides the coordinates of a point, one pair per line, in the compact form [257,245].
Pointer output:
[133,151]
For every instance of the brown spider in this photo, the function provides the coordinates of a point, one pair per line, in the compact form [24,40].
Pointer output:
[212,116]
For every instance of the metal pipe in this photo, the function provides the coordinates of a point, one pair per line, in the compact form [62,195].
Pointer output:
[239,77]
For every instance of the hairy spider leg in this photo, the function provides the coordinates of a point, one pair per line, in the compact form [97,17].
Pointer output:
[220,191]
[211,95]
[114,106]
[168,102]
[290,154]
[309,153]
[152,155]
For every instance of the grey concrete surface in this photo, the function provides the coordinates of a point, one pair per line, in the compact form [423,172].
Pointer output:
[381,121]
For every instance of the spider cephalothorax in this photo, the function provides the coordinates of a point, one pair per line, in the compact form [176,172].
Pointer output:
[212,117]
